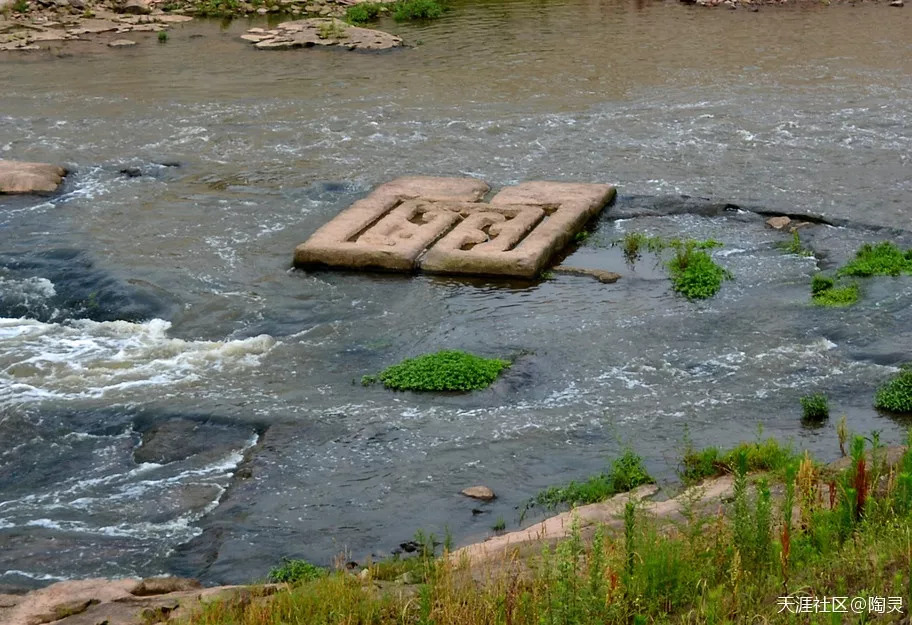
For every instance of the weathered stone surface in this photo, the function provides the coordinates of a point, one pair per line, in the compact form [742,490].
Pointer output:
[19,177]
[479,492]
[42,606]
[164,585]
[121,43]
[521,230]
[135,7]
[321,32]
[110,601]
[517,234]
[778,223]
[389,228]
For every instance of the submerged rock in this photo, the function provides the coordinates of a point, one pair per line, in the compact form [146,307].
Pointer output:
[603,276]
[321,32]
[121,43]
[20,177]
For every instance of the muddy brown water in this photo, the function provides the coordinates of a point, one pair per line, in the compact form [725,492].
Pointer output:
[173,398]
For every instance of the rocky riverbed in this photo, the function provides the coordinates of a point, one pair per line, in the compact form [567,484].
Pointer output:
[30,25]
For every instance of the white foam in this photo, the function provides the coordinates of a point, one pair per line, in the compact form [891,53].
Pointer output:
[88,359]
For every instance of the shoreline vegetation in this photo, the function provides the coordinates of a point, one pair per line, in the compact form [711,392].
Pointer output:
[777,526]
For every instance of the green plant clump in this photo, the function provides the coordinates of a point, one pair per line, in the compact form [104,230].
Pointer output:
[447,370]
[162,37]
[767,455]
[821,283]
[883,259]
[21,6]
[795,246]
[834,296]
[291,571]
[406,10]
[896,395]
[694,274]
[815,407]
[626,473]
[363,12]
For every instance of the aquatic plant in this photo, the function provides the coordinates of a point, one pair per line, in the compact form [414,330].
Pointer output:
[499,525]
[834,296]
[290,571]
[821,283]
[363,12]
[896,394]
[795,246]
[406,10]
[447,370]
[626,473]
[815,407]
[162,37]
[883,259]
[694,274]
[692,270]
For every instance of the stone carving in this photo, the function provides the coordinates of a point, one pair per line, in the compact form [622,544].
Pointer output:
[439,225]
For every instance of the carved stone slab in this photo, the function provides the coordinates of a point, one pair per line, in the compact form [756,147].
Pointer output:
[384,230]
[439,225]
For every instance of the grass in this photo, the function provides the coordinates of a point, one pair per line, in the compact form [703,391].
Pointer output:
[896,394]
[747,560]
[216,8]
[332,29]
[693,272]
[882,259]
[626,473]
[762,455]
[363,12]
[499,525]
[448,370]
[21,6]
[290,571]
[815,407]
[407,10]
[795,246]
[162,37]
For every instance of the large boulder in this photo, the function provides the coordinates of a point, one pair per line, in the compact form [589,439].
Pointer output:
[19,177]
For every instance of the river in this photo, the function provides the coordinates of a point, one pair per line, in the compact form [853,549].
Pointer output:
[163,308]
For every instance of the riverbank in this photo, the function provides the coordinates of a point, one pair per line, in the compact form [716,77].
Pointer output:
[31,25]
[770,533]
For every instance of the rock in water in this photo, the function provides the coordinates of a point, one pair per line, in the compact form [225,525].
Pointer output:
[19,177]
[121,43]
[778,223]
[479,492]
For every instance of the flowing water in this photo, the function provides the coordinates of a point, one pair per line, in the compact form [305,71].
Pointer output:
[174,398]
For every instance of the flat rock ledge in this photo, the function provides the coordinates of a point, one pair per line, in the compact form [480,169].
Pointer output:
[129,601]
[39,29]
[20,177]
[441,226]
[320,31]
